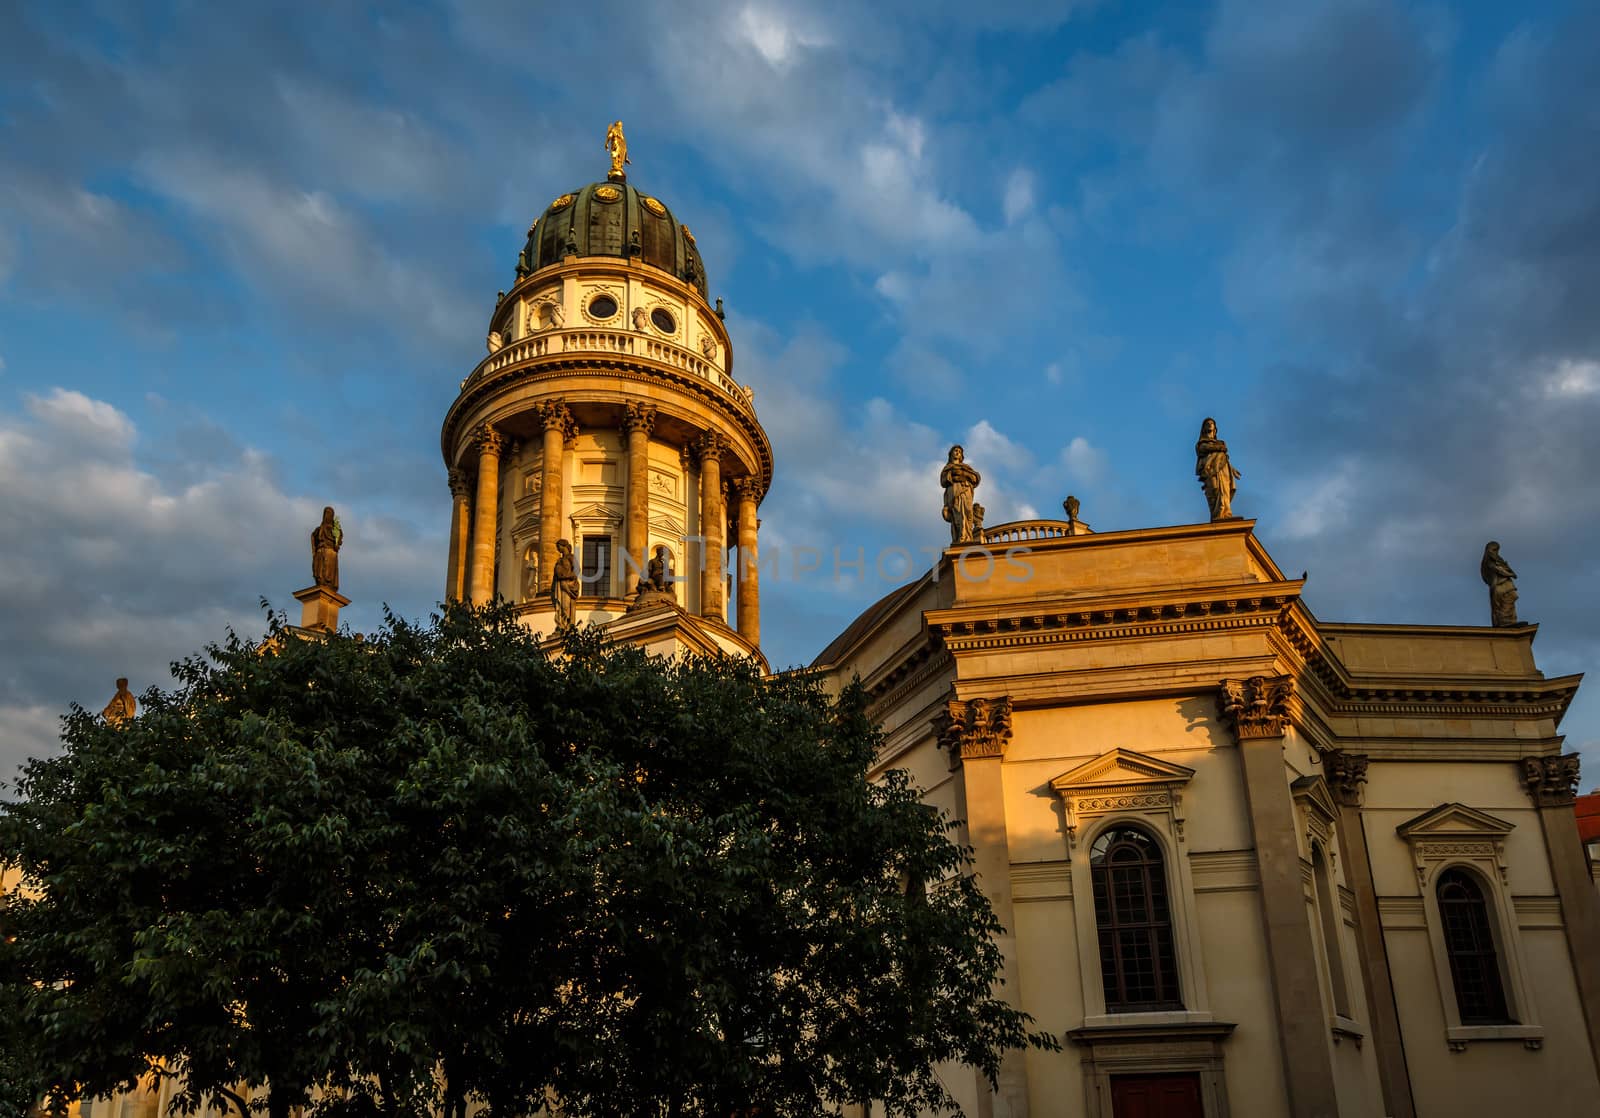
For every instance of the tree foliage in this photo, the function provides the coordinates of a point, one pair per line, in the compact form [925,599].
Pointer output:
[439,866]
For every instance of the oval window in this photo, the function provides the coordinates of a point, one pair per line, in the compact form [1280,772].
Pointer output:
[663,320]
[603,306]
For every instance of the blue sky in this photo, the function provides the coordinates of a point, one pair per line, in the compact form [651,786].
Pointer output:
[247,252]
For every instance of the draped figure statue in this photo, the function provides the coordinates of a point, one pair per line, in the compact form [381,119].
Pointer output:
[564,585]
[959,480]
[326,539]
[1501,581]
[1217,476]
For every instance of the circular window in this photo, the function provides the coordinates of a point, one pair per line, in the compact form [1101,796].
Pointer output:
[663,320]
[602,306]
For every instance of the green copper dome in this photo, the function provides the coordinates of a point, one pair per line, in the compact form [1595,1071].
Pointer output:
[613,219]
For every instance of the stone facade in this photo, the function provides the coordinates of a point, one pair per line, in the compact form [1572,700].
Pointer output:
[1313,789]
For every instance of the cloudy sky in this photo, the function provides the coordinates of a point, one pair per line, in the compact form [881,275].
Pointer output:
[247,253]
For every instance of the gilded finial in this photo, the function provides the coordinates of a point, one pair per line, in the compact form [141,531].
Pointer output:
[617,148]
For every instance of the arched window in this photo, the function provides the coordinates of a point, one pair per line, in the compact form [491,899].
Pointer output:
[1469,943]
[1134,921]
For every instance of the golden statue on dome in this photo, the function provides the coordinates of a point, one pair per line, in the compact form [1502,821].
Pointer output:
[617,148]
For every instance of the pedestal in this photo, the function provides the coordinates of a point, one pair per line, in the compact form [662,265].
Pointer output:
[320,608]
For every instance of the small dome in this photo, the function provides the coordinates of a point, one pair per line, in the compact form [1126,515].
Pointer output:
[615,219]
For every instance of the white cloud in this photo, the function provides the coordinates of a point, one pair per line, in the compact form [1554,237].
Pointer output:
[1018,201]
[1085,464]
[1573,379]
[775,35]
[112,571]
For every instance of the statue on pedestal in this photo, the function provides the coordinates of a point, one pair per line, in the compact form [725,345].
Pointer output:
[1217,476]
[530,573]
[326,539]
[564,585]
[959,480]
[617,148]
[122,706]
[1501,581]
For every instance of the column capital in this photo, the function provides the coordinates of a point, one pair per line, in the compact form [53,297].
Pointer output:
[1551,781]
[710,445]
[1346,773]
[748,488]
[975,728]
[638,416]
[553,414]
[460,487]
[488,440]
[1257,707]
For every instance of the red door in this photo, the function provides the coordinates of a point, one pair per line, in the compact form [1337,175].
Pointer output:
[1156,1096]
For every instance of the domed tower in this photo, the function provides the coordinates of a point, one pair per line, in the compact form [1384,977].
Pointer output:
[606,416]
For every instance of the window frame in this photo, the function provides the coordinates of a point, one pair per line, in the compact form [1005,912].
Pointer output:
[1153,871]
[1455,836]
[1125,788]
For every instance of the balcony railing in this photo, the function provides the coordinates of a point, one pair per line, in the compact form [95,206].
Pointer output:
[620,342]
[1021,531]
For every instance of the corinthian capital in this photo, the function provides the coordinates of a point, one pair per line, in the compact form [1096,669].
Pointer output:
[1347,772]
[488,440]
[748,488]
[1257,707]
[638,416]
[709,447]
[975,728]
[459,485]
[1551,781]
[553,415]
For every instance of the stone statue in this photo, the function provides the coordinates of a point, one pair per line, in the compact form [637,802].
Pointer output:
[564,585]
[617,148]
[658,573]
[522,263]
[640,319]
[1071,506]
[494,341]
[722,314]
[1217,476]
[530,574]
[326,539]
[959,480]
[122,706]
[572,240]
[977,521]
[1501,581]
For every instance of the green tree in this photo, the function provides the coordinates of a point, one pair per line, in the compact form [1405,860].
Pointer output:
[439,866]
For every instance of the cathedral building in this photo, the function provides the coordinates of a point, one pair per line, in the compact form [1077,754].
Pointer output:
[1248,861]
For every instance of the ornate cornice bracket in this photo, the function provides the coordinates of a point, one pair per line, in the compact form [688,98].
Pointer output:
[1258,707]
[1346,774]
[975,728]
[1551,781]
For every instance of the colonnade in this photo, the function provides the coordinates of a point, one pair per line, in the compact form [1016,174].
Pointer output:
[474,516]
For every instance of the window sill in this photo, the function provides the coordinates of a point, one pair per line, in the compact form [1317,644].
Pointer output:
[1458,1036]
[1153,1017]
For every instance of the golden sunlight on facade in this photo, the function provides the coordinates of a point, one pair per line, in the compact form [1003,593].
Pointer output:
[1249,862]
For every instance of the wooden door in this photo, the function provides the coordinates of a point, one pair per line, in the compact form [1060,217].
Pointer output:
[1156,1096]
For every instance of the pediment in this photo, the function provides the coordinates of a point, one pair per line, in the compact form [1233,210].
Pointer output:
[1313,792]
[1121,766]
[1454,821]
[666,526]
[597,512]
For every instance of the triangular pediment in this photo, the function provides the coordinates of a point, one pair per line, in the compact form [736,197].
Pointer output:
[1454,821]
[1313,790]
[597,512]
[1122,766]
[666,526]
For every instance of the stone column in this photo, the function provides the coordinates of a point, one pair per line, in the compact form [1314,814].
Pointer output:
[1346,774]
[485,508]
[637,422]
[749,590]
[976,731]
[556,419]
[713,524]
[1258,708]
[1552,783]
[455,579]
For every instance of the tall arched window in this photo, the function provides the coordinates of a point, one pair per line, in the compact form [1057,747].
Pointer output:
[1469,943]
[1134,921]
